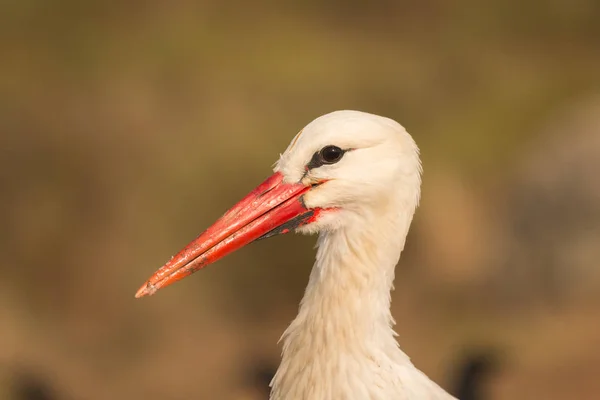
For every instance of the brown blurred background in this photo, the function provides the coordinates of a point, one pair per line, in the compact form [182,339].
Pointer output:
[127,128]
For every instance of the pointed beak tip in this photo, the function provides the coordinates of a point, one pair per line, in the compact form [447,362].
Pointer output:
[147,289]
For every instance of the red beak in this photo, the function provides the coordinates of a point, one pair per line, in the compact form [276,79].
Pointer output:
[272,208]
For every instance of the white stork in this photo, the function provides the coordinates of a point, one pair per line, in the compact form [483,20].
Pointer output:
[355,179]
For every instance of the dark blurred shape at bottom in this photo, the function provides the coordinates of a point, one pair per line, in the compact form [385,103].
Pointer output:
[29,385]
[471,374]
[258,376]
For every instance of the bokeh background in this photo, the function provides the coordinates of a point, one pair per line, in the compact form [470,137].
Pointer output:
[127,128]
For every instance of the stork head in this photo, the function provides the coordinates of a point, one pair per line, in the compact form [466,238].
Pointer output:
[343,167]
[356,164]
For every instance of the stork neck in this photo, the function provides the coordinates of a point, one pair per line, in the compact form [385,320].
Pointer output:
[351,281]
[344,326]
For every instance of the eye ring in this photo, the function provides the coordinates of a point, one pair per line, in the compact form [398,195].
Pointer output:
[331,154]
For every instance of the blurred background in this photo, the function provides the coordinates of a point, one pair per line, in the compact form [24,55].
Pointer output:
[127,128]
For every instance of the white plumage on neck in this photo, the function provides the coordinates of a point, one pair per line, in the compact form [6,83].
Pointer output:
[341,346]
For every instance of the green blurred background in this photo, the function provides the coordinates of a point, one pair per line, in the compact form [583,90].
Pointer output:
[127,128]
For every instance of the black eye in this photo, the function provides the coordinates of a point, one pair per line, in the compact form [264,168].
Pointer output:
[327,155]
[331,154]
